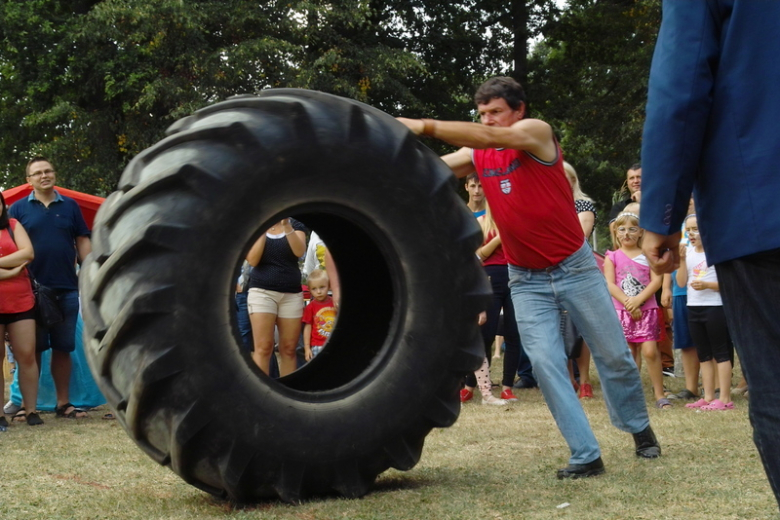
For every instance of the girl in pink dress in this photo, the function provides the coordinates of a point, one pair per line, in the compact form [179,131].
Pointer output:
[633,286]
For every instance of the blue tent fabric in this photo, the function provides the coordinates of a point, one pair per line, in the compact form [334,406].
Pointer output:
[84,393]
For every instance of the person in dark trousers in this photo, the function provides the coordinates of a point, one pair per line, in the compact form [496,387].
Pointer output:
[711,128]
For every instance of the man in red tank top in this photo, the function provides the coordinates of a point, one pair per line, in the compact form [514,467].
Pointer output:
[551,267]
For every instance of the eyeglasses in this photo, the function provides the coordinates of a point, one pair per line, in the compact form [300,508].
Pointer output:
[692,231]
[44,172]
[631,230]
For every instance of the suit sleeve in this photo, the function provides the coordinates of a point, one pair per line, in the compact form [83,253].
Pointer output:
[679,101]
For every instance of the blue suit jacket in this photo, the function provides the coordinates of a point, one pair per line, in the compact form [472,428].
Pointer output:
[713,125]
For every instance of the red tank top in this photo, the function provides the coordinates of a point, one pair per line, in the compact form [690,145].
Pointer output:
[532,204]
[15,293]
[497,257]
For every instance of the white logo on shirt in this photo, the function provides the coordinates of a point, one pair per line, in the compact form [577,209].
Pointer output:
[506,186]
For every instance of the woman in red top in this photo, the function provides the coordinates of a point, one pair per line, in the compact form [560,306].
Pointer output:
[17,312]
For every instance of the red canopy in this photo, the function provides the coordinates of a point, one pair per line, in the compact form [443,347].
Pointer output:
[89,204]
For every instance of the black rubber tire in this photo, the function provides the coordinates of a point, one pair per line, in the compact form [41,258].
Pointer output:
[161,336]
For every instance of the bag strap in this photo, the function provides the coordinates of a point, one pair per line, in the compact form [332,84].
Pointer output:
[11,232]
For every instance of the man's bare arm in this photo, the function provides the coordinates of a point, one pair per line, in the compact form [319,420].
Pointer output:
[83,247]
[460,162]
[532,135]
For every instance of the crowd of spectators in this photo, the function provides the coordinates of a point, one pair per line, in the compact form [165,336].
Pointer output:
[640,298]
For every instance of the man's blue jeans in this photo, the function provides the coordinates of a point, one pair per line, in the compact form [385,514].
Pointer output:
[577,286]
[750,288]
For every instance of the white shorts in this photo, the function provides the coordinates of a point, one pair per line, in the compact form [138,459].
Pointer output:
[283,305]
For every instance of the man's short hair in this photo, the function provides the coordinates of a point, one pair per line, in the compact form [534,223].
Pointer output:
[636,166]
[316,275]
[472,177]
[37,158]
[501,87]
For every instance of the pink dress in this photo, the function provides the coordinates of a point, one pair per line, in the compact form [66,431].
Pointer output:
[632,276]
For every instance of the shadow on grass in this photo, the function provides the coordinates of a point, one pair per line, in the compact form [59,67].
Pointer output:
[384,484]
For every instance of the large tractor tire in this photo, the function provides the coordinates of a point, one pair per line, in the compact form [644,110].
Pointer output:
[158,292]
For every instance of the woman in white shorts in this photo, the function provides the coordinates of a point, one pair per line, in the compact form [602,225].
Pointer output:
[275,297]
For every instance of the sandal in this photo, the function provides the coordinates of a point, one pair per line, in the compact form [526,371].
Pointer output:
[33,419]
[718,405]
[72,414]
[697,404]
[663,404]
[19,416]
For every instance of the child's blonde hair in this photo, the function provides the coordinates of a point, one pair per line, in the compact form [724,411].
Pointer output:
[576,189]
[625,218]
[631,207]
[488,224]
[317,275]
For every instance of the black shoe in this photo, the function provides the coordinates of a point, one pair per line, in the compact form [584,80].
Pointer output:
[591,469]
[3,423]
[524,384]
[646,444]
[668,371]
[685,395]
[33,419]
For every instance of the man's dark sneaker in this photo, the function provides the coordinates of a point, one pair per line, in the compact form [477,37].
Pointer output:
[685,395]
[646,444]
[524,384]
[668,371]
[591,469]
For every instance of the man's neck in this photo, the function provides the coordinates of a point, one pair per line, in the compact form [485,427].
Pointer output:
[476,206]
[45,196]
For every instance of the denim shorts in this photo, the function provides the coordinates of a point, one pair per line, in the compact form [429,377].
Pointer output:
[682,334]
[62,336]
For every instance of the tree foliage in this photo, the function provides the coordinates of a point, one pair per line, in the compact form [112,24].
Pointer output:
[589,80]
[92,83]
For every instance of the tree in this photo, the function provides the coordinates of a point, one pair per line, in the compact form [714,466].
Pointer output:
[91,83]
[589,80]
[97,82]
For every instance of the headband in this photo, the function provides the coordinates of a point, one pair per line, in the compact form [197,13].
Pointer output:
[628,214]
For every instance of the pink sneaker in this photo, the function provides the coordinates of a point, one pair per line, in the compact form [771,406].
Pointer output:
[697,404]
[718,405]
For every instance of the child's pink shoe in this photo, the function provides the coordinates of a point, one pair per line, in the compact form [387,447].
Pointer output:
[697,404]
[717,405]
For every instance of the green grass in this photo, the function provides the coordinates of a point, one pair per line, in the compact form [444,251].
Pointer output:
[494,463]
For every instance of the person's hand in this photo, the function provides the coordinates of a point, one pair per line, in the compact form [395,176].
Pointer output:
[308,354]
[482,318]
[637,196]
[415,125]
[11,272]
[662,251]
[666,298]
[683,251]
[699,285]
[631,304]
[636,315]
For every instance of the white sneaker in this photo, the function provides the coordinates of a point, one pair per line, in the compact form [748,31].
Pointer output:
[493,400]
[10,408]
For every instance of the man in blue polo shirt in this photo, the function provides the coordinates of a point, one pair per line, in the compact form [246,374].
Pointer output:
[58,234]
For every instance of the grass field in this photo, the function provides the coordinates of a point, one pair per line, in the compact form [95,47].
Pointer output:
[494,464]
